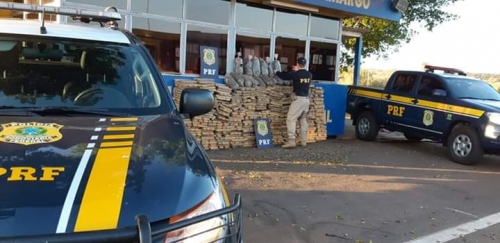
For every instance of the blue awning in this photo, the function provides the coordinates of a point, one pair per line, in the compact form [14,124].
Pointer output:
[381,9]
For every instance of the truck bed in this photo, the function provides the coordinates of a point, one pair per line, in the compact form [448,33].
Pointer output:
[358,97]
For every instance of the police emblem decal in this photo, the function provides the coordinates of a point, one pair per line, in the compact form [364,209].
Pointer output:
[428,117]
[29,133]
[209,56]
[262,128]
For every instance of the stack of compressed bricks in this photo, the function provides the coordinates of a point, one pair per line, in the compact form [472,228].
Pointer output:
[231,123]
[317,116]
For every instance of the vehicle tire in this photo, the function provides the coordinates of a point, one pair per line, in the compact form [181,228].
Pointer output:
[413,138]
[464,145]
[367,127]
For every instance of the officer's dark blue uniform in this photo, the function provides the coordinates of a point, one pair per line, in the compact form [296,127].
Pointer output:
[301,80]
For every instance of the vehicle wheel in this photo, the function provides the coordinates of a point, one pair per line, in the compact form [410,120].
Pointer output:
[367,127]
[413,138]
[464,145]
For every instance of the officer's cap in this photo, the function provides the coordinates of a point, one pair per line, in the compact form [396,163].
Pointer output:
[302,61]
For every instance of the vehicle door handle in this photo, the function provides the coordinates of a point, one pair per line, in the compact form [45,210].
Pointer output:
[387,96]
[414,101]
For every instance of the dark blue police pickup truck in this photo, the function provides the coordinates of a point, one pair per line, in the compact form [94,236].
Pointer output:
[462,113]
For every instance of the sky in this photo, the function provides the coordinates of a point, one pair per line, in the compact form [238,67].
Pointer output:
[471,43]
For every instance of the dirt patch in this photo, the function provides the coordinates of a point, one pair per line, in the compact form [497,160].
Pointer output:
[345,190]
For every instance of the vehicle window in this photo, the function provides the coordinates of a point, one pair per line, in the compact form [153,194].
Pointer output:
[429,84]
[404,83]
[54,72]
[472,89]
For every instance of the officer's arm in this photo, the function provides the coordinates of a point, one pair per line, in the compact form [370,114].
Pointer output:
[284,75]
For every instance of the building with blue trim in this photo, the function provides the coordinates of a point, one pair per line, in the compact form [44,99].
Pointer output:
[174,30]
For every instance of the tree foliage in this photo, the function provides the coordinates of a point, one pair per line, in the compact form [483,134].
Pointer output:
[386,37]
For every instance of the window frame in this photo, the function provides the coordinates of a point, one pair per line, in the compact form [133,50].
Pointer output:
[431,77]
[232,32]
[149,39]
[410,92]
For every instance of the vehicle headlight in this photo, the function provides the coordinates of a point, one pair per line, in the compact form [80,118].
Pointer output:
[494,117]
[209,230]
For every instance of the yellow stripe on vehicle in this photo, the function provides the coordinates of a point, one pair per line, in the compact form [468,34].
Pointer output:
[102,199]
[224,191]
[402,99]
[116,144]
[226,197]
[451,108]
[465,110]
[434,105]
[421,103]
[120,129]
[124,119]
[367,93]
[120,136]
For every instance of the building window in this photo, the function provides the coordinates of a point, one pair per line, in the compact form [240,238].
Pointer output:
[325,28]
[291,23]
[162,40]
[170,8]
[20,15]
[252,44]
[288,50]
[322,60]
[254,17]
[200,35]
[120,4]
[211,11]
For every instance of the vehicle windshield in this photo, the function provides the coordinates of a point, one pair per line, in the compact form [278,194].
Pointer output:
[464,88]
[72,74]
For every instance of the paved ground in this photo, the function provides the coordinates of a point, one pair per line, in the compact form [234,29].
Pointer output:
[345,190]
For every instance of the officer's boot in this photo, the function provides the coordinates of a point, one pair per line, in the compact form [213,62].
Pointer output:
[289,144]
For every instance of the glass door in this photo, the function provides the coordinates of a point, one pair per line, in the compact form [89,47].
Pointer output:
[323,57]
[288,50]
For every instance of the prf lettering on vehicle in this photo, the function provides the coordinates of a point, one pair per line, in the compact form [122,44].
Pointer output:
[395,110]
[21,173]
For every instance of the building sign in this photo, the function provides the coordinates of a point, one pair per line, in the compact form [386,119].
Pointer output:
[209,57]
[263,134]
[381,9]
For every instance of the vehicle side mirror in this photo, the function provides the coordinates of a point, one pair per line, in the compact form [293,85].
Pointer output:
[439,92]
[196,102]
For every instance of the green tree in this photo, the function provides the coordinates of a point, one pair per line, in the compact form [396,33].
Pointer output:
[386,37]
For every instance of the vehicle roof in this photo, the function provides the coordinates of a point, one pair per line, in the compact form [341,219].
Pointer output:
[443,75]
[448,75]
[65,30]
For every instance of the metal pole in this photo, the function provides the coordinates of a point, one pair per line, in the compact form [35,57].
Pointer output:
[357,60]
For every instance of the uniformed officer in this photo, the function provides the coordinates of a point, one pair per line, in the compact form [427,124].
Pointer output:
[299,108]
